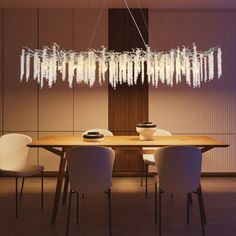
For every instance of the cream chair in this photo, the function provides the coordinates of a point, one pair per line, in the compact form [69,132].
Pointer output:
[148,159]
[105,132]
[90,171]
[13,161]
[179,171]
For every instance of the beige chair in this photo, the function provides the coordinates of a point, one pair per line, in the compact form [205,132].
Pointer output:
[13,161]
[90,171]
[179,171]
[148,159]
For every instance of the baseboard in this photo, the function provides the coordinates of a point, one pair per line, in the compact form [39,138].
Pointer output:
[138,174]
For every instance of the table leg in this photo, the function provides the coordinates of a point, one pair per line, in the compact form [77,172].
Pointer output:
[66,183]
[58,187]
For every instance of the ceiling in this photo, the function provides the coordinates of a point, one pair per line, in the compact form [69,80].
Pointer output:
[151,4]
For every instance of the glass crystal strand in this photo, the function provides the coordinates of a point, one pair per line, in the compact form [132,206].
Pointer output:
[178,67]
[167,69]
[162,68]
[148,62]
[63,66]
[136,66]
[36,68]
[120,61]
[71,70]
[27,73]
[80,69]
[201,67]
[22,64]
[205,69]
[219,62]
[39,70]
[111,71]
[188,70]
[50,74]
[211,65]
[125,68]
[103,65]
[156,70]
[194,66]
[142,69]
[183,61]
[44,65]
[172,66]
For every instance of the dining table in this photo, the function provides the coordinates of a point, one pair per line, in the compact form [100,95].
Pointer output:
[59,145]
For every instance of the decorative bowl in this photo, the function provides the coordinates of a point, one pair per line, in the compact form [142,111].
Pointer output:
[146,130]
[93,137]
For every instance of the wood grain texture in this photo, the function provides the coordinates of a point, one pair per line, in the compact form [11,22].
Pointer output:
[128,105]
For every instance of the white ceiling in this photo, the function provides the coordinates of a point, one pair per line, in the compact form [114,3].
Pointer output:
[151,4]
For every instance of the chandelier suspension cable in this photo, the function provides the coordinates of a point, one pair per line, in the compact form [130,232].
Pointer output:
[96,24]
[145,44]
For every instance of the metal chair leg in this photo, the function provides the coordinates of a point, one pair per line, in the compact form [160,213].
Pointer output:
[68,214]
[201,211]
[16,196]
[202,204]
[77,208]
[146,180]
[160,193]
[109,203]
[42,200]
[22,186]
[155,203]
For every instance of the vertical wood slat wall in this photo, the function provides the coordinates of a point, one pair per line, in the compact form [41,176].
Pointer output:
[128,105]
[210,110]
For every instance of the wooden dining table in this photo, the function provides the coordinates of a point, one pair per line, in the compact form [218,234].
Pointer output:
[60,144]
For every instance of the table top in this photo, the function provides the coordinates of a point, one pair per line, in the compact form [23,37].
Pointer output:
[129,141]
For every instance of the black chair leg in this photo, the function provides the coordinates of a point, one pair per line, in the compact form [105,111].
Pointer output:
[66,183]
[201,212]
[202,204]
[160,193]
[16,196]
[22,187]
[68,214]
[143,166]
[155,203]
[42,200]
[146,180]
[109,203]
[77,208]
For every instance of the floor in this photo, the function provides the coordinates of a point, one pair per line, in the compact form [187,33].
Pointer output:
[132,214]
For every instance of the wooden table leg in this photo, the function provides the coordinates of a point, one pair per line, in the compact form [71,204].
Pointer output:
[59,184]
[66,183]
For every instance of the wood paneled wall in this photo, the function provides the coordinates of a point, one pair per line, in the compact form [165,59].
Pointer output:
[25,108]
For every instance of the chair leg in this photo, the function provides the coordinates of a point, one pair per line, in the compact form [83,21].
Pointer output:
[143,166]
[77,208]
[16,196]
[109,203]
[66,183]
[146,180]
[22,187]
[201,211]
[68,214]
[42,200]
[160,193]
[155,203]
[202,204]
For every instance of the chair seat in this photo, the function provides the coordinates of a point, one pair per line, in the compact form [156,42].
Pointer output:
[27,170]
[149,159]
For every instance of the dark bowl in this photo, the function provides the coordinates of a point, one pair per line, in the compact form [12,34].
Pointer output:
[146,124]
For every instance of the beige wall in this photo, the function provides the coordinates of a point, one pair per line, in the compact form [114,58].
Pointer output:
[60,110]
[210,110]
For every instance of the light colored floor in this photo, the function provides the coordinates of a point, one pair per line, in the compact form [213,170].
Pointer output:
[132,214]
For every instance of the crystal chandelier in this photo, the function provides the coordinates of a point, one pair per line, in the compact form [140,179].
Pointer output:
[170,68]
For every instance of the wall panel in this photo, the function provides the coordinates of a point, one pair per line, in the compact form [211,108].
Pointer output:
[20,99]
[90,104]
[56,103]
[210,110]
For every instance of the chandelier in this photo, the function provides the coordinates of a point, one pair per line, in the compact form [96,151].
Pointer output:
[168,68]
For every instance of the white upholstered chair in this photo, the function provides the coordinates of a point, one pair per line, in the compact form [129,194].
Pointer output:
[90,171]
[148,159]
[13,161]
[179,171]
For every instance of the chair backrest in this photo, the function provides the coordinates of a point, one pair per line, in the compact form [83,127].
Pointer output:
[13,151]
[90,168]
[179,168]
[105,132]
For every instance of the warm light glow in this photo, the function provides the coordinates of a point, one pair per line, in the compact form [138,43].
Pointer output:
[169,68]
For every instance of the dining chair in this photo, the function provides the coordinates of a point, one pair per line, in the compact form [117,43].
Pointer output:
[105,132]
[90,171]
[13,161]
[179,171]
[148,159]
